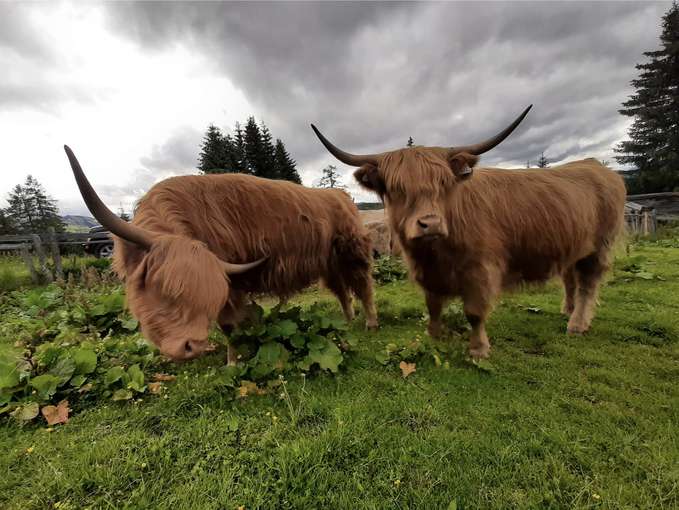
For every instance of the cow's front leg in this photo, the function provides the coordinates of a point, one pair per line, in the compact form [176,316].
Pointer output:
[435,304]
[230,316]
[481,289]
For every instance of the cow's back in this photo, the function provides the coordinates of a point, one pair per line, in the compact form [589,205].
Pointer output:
[242,218]
[538,221]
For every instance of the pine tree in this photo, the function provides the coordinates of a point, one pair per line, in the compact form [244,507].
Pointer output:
[268,155]
[410,142]
[528,163]
[213,157]
[653,147]
[31,210]
[285,166]
[331,178]
[254,148]
[7,226]
[543,162]
[239,154]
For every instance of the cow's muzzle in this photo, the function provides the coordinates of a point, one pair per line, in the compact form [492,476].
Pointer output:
[431,227]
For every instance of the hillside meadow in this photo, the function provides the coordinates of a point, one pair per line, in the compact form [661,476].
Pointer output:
[324,415]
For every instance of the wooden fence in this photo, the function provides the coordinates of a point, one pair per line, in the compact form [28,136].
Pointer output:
[640,219]
[36,245]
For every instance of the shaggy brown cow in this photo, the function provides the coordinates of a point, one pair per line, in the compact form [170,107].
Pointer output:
[472,236]
[173,255]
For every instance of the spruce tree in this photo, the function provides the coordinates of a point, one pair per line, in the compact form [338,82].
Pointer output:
[212,157]
[239,156]
[543,162]
[653,147]
[285,166]
[410,142]
[267,156]
[254,148]
[31,210]
[331,178]
[7,226]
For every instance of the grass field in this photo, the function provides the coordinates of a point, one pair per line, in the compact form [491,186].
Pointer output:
[554,421]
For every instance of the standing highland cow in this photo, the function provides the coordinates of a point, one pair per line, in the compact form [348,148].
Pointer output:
[472,233]
[173,256]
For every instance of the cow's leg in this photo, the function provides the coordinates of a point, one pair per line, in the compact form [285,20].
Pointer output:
[569,287]
[588,274]
[435,304]
[482,287]
[229,317]
[337,286]
[362,285]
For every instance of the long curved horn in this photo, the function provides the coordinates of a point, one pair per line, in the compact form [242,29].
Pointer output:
[103,215]
[485,146]
[241,268]
[345,157]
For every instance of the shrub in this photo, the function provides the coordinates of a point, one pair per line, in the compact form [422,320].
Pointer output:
[389,269]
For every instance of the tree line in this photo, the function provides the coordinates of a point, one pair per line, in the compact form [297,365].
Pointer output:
[250,150]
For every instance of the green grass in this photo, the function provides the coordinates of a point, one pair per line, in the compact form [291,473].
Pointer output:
[557,421]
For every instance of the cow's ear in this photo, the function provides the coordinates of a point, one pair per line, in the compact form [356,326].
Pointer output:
[462,163]
[368,177]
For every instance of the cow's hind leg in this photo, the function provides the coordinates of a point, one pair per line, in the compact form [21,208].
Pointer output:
[338,287]
[361,283]
[351,268]
[569,287]
[588,274]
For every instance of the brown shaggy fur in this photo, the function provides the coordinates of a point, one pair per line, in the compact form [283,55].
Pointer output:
[474,235]
[178,287]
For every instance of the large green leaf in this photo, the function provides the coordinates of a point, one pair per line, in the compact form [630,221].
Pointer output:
[26,412]
[85,361]
[45,385]
[9,370]
[328,358]
[113,374]
[63,368]
[136,379]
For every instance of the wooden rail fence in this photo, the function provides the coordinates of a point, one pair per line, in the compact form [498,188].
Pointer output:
[31,246]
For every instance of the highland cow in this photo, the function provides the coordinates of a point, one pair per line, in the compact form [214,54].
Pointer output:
[472,232]
[178,254]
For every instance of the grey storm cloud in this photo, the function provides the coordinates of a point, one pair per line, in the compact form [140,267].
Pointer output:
[370,75]
[173,157]
[29,60]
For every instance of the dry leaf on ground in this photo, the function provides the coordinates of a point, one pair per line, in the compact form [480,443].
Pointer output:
[56,414]
[406,368]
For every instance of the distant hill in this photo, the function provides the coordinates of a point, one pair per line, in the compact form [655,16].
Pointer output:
[369,206]
[81,222]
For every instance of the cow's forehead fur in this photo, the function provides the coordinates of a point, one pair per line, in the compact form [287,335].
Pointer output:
[185,272]
[416,170]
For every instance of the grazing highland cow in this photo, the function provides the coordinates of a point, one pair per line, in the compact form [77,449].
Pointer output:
[177,256]
[472,233]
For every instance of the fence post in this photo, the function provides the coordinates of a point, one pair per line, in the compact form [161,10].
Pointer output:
[56,256]
[28,259]
[41,258]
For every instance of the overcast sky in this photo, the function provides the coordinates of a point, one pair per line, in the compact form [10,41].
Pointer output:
[131,87]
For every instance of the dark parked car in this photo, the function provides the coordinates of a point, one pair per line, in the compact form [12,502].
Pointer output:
[99,243]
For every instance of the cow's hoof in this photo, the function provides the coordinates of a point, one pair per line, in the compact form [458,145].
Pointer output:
[372,326]
[481,352]
[434,330]
[577,328]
